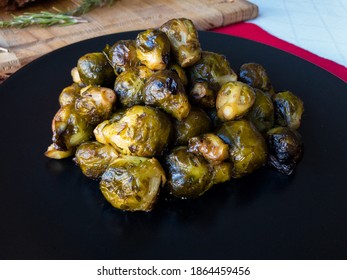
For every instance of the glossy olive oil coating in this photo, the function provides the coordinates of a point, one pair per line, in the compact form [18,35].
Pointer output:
[196,123]
[94,69]
[122,55]
[256,76]
[234,100]
[128,85]
[262,111]
[164,89]
[153,49]
[141,131]
[285,149]
[184,40]
[69,131]
[93,158]
[288,109]
[132,183]
[247,147]
[211,72]
[95,104]
[210,146]
[189,175]
[158,112]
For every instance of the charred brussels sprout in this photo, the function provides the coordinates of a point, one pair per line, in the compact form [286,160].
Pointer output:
[188,174]
[288,109]
[285,149]
[234,100]
[129,84]
[210,146]
[165,90]
[212,71]
[262,112]
[94,69]
[122,55]
[69,131]
[93,158]
[255,76]
[197,122]
[184,40]
[213,68]
[153,49]
[132,183]
[141,131]
[69,95]
[247,147]
[95,104]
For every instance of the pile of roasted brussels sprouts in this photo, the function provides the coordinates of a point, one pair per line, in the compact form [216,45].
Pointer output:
[158,113]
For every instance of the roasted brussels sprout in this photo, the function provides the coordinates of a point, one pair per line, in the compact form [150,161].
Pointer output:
[288,109]
[94,69]
[55,152]
[234,100]
[95,104]
[141,131]
[129,84]
[188,174]
[184,40]
[93,158]
[122,55]
[262,111]
[129,110]
[165,90]
[153,49]
[203,95]
[254,75]
[197,122]
[132,183]
[69,95]
[210,146]
[180,72]
[247,147]
[285,149]
[215,71]
[69,131]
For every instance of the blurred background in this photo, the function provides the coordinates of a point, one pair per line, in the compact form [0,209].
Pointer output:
[314,30]
[315,25]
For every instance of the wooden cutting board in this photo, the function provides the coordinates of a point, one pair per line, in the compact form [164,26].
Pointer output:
[27,44]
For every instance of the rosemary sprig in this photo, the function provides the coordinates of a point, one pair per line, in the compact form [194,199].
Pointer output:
[42,19]
[45,18]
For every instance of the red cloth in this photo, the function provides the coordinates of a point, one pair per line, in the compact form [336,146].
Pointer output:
[255,33]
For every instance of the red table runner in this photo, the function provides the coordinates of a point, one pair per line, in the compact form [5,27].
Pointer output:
[253,32]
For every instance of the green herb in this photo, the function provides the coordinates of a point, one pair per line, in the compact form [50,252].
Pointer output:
[55,18]
[42,18]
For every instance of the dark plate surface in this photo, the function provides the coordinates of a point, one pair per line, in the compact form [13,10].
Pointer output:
[49,210]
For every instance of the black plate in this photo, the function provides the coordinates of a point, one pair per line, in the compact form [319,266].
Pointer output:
[49,210]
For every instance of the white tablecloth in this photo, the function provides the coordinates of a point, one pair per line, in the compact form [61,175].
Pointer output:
[319,26]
